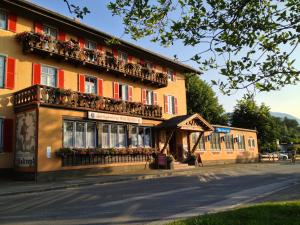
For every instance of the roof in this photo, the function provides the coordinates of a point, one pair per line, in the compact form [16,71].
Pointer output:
[235,128]
[178,121]
[34,11]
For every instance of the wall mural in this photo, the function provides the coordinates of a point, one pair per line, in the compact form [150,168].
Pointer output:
[25,139]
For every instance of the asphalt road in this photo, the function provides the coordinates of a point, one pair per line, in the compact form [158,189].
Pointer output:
[150,201]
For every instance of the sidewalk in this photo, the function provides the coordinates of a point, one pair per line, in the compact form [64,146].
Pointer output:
[22,187]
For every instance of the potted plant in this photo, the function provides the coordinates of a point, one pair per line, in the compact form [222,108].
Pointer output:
[62,152]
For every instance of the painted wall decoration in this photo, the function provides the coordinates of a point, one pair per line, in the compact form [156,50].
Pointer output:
[25,139]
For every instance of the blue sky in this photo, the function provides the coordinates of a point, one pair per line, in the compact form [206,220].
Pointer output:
[286,100]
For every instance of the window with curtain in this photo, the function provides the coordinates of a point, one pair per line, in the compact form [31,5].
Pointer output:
[121,136]
[80,135]
[228,138]
[113,135]
[201,144]
[48,76]
[149,97]
[3,20]
[147,138]
[171,104]
[123,92]
[170,75]
[105,136]
[90,135]
[133,138]
[2,71]
[141,137]
[215,141]
[90,85]
[68,134]
[123,57]
[241,142]
[50,31]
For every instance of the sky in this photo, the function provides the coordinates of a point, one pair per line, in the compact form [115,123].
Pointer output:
[285,100]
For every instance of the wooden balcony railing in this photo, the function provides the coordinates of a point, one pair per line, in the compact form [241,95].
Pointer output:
[62,98]
[71,52]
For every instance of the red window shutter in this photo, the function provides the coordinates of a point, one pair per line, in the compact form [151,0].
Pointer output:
[115,52]
[130,90]
[61,78]
[10,73]
[155,98]
[81,83]
[142,62]
[144,96]
[12,23]
[116,90]
[100,48]
[129,59]
[81,42]
[175,105]
[100,87]
[61,36]
[8,129]
[166,103]
[174,76]
[36,73]
[38,28]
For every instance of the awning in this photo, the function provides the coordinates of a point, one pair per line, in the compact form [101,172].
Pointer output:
[193,122]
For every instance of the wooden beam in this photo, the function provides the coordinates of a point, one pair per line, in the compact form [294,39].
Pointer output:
[167,142]
[197,142]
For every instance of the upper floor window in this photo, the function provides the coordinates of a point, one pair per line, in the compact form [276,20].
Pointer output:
[1,134]
[122,56]
[241,141]
[2,71]
[3,20]
[201,144]
[170,104]
[90,45]
[149,97]
[123,92]
[228,138]
[49,76]
[90,85]
[170,74]
[50,31]
[251,142]
[215,141]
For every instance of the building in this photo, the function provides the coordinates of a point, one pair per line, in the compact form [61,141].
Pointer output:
[63,87]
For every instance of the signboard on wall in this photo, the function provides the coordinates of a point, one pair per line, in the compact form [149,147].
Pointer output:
[114,117]
[222,129]
[25,139]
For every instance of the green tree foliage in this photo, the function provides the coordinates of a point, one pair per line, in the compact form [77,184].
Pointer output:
[202,99]
[255,38]
[247,114]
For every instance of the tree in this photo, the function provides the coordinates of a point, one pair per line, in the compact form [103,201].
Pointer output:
[247,114]
[202,99]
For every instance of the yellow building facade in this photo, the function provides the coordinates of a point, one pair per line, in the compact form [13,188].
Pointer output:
[63,88]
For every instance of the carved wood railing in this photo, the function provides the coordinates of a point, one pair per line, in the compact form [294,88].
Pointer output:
[71,52]
[55,97]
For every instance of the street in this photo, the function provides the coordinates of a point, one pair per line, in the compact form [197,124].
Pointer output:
[152,201]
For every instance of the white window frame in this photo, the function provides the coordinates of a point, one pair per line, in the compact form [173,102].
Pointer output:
[171,104]
[48,75]
[1,135]
[228,138]
[5,19]
[241,142]
[123,56]
[170,74]
[50,28]
[2,85]
[125,92]
[201,144]
[87,85]
[252,142]
[89,44]
[215,142]
[149,97]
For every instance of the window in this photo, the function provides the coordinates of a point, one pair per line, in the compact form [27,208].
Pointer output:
[228,138]
[133,137]
[215,141]
[251,142]
[122,136]
[112,135]
[241,141]
[2,71]
[149,65]
[123,92]
[90,85]
[170,75]
[3,20]
[50,31]
[201,144]
[171,104]
[79,134]
[90,45]
[123,57]
[140,136]
[149,97]
[48,76]
[1,134]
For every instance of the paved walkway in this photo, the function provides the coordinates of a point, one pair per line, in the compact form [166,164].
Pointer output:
[21,187]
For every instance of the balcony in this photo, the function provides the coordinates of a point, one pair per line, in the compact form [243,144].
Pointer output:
[67,99]
[71,52]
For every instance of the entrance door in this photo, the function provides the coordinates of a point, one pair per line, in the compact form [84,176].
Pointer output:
[172,146]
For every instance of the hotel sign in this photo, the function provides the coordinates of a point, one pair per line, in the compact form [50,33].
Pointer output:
[114,117]
[222,130]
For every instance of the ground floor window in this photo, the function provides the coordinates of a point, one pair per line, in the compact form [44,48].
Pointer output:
[79,134]
[228,138]
[201,144]
[215,141]
[251,142]
[241,142]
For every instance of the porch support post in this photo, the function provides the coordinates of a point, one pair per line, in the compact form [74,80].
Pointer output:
[167,142]
[197,142]
[189,141]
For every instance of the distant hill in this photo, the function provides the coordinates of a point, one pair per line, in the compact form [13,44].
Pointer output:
[282,115]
